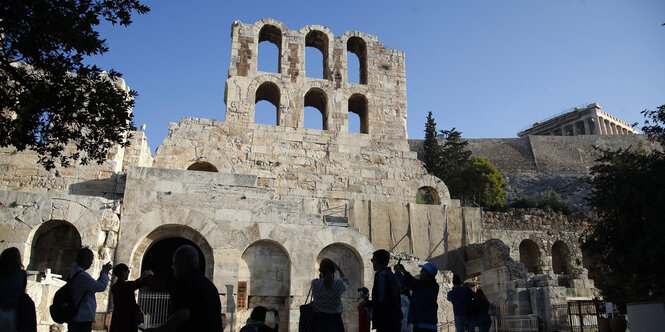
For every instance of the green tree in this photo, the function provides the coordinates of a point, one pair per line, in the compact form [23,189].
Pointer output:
[454,153]
[478,181]
[629,200]
[49,97]
[431,147]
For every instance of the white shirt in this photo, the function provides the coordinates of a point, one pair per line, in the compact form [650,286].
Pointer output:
[328,300]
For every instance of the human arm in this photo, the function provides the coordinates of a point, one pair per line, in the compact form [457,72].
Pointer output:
[145,279]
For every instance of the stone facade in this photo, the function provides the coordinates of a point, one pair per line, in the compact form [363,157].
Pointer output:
[264,204]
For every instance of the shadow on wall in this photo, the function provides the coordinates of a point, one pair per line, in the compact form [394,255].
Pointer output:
[471,260]
[110,187]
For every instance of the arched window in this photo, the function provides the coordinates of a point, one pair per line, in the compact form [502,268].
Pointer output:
[530,256]
[316,112]
[427,195]
[202,166]
[54,246]
[358,106]
[267,94]
[357,47]
[560,258]
[316,40]
[269,56]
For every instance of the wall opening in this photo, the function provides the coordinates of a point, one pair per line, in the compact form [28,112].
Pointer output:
[357,47]
[316,111]
[358,106]
[203,166]
[351,264]
[159,258]
[269,49]
[316,55]
[530,256]
[427,195]
[560,258]
[266,107]
[266,269]
[54,246]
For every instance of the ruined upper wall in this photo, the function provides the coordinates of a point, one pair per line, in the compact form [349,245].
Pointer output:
[379,99]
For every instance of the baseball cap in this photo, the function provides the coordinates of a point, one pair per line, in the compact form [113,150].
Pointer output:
[430,268]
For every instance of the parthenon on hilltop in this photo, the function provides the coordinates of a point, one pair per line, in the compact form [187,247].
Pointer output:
[590,120]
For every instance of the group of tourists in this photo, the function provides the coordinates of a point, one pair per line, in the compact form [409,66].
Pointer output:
[399,301]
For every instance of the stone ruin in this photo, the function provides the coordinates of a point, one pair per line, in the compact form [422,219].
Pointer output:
[264,204]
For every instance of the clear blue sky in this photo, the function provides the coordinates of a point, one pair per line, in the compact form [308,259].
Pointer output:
[489,68]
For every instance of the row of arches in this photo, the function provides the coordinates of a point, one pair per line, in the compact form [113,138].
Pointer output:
[317,53]
[530,256]
[268,106]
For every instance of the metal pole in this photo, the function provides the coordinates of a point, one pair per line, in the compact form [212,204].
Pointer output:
[579,306]
[570,317]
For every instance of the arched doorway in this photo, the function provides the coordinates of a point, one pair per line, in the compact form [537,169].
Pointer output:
[54,246]
[265,273]
[351,264]
[560,258]
[159,259]
[530,256]
[203,166]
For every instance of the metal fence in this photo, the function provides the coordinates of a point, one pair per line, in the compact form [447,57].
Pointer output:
[577,316]
[155,307]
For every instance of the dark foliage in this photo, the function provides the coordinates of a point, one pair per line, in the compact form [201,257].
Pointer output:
[432,156]
[627,237]
[48,97]
[546,200]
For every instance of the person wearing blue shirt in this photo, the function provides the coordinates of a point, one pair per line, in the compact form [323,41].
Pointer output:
[460,296]
[84,288]
[385,306]
[423,307]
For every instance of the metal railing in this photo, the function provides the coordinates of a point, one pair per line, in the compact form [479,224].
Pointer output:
[577,316]
[502,321]
[155,307]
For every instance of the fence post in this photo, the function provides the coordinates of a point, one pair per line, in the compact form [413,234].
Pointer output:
[570,317]
[579,306]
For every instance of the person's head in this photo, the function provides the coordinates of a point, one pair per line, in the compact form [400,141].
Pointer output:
[259,314]
[10,261]
[327,267]
[380,259]
[185,259]
[121,271]
[428,271]
[457,281]
[363,292]
[84,258]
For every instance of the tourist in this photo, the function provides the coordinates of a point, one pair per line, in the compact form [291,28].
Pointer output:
[327,298]
[17,311]
[385,306]
[257,319]
[481,317]
[84,288]
[363,311]
[425,290]
[127,314]
[195,299]
[460,296]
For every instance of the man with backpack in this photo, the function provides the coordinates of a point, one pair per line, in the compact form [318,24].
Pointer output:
[83,289]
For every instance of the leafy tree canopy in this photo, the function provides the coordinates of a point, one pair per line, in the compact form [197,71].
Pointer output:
[628,196]
[49,97]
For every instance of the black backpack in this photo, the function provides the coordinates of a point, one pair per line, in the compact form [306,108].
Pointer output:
[63,308]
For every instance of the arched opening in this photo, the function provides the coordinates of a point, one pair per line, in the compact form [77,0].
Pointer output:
[351,264]
[266,109]
[316,112]
[357,47]
[54,246]
[316,40]
[159,259]
[265,270]
[269,53]
[202,166]
[358,106]
[560,258]
[427,195]
[530,256]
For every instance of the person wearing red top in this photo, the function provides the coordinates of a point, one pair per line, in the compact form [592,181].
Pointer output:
[125,310]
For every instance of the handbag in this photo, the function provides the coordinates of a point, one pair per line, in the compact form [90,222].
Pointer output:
[306,315]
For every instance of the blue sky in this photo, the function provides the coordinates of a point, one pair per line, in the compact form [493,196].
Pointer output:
[488,68]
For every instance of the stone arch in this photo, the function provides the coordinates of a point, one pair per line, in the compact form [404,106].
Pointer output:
[173,231]
[270,92]
[358,46]
[427,195]
[159,258]
[560,258]
[272,34]
[317,98]
[351,264]
[318,40]
[433,182]
[358,105]
[530,256]
[265,267]
[203,166]
[54,246]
